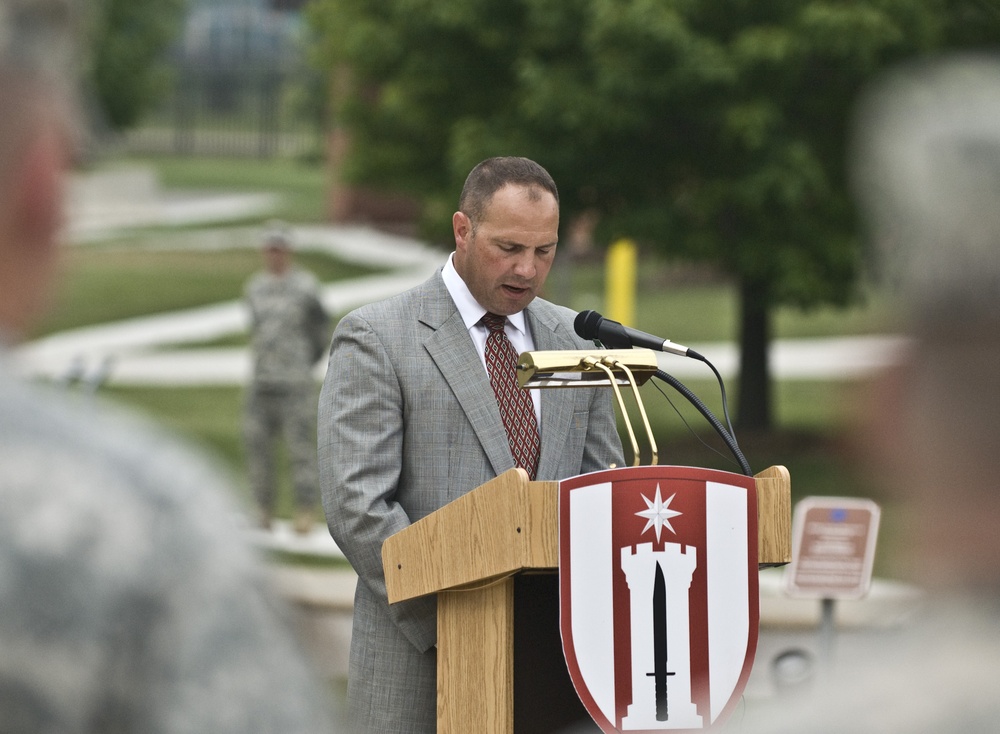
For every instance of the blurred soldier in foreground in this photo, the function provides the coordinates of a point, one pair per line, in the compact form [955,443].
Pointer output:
[130,603]
[927,161]
[288,335]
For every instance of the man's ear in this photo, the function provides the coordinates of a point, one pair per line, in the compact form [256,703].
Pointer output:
[462,227]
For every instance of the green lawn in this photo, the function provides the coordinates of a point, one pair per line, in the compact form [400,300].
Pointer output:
[210,416]
[688,310]
[812,440]
[811,412]
[814,419]
[101,284]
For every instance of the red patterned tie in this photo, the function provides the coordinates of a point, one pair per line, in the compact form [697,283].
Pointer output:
[516,407]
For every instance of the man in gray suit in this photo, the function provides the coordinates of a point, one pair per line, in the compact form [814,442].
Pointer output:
[408,420]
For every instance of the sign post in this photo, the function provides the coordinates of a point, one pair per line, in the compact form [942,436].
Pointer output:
[833,551]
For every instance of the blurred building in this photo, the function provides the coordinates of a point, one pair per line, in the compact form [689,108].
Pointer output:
[238,85]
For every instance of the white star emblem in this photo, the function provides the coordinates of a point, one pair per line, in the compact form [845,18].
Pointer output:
[658,513]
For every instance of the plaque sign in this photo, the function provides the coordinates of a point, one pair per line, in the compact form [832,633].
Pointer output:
[833,548]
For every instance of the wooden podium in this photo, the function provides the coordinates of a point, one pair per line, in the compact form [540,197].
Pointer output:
[482,555]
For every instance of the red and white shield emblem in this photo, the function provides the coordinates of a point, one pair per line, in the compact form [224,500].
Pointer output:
[658,589]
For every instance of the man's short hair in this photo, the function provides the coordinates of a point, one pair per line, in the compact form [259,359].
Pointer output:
[492,175]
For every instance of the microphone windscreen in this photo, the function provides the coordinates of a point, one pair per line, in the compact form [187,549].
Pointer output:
[586,324]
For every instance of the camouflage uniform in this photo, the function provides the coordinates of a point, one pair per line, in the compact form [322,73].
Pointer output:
[289,334]
[130,601]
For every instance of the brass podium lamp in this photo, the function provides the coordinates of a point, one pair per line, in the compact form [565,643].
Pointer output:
[599,368]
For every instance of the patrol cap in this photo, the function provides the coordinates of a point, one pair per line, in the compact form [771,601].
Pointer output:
[277,235]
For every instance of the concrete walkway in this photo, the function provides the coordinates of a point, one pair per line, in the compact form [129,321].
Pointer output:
[143,351]
[156,350]
[151,350]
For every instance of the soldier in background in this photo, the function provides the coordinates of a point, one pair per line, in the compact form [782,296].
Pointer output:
[289,333]
[131,602]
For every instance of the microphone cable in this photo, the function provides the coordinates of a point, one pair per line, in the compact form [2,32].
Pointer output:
[722,389]
[726,436]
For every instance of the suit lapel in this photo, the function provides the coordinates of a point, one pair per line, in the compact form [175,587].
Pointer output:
[452,350]
[557,404]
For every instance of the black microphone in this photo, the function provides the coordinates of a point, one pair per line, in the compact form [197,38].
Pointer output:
[591,325]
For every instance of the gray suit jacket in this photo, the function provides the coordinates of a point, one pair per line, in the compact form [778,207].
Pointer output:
[407,423]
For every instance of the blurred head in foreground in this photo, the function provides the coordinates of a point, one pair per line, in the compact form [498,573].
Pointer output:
[36,131]
[927,175]
[131,601]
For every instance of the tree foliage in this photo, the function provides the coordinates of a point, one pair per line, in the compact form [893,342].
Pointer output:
[127,41]
[715,131]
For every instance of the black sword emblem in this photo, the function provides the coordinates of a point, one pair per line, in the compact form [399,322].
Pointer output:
[660,671]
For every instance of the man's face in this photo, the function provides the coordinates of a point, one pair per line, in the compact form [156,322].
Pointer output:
[277,258]
[506,261]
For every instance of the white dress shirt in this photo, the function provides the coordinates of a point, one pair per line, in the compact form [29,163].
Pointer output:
[472,312]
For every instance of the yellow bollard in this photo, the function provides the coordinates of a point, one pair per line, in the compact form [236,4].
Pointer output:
[620,268]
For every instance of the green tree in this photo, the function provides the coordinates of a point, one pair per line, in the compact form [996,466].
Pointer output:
[127,41]
[715,131]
